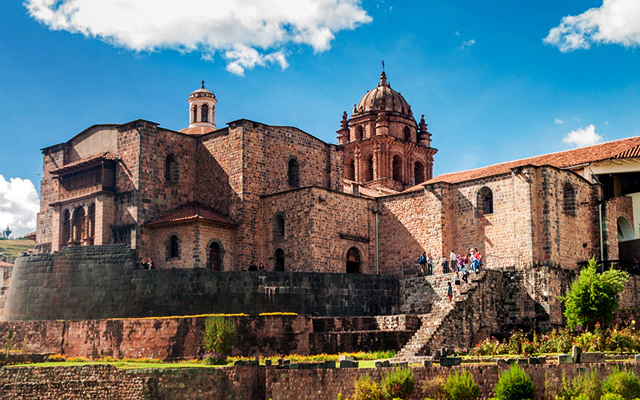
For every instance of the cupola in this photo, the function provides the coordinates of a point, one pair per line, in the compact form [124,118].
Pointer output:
[202,109]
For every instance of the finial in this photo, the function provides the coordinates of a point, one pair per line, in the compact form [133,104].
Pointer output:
[344,115]
[202,83]
[383,65]
[383,79]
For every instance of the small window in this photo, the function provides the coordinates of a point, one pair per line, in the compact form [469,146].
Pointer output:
[367,168]
[294,173]
[169,168]
[204,112]
[418,173]
[569,200]
[353,261]
[279,260]
[278,226]
[407,134]
[397,168]
[215,256]
[174,248]
[484,202]
[359,133]
[350,170]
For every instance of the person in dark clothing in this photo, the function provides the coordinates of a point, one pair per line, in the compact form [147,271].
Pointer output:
[449,291]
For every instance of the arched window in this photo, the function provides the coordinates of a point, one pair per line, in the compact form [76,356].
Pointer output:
[359,133]
[484,202]
[215,256]
[367,168]
[350,170]
[174,247]
[194,113]
[397,168]
[79,228]
[278,227]
[294,173]
[418,172]
[92,221]
[625,230]
[407,134]
[353,261]
[66,227]
[170,168]
[204,113]
[568,199]
[279,260]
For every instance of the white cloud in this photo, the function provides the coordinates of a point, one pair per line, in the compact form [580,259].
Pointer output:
[19,205]
[583,137]
[457,33]
[558,121]
[606,123]
[231,27]
[468,43]
[616,21]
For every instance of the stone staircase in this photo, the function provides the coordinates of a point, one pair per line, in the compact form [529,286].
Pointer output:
[419,347]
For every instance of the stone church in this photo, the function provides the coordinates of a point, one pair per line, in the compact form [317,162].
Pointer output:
[250,193]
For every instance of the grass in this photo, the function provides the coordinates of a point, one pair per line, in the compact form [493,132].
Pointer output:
[12,248]
[118,364]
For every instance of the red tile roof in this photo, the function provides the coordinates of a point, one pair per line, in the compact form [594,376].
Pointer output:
[624,148]
[197,130]
[189,212]
[84,162]
[30,236]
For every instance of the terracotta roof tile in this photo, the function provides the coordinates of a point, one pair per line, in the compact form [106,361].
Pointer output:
[30,236]
[624,148]
[188,212]
[84,161]
[197,130]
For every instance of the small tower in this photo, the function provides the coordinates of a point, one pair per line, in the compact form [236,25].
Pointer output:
[202,109]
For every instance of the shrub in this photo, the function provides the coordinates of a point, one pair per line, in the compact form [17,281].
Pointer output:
[611,396]
[398,384]
[461,386]
[218,335]
[516,340]
[624,383]
[215,359]
[367,389]
[585,385]
[434,388]
[489,346]
[514,384]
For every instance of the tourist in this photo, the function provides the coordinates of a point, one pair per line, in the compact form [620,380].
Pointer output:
[150,264]
[457,279]
[449,291]
[143,264]
[445,265]
[261,267]
[422,260]
[465,275]
[429,265]
[460,259]
[454,259]
[253,267]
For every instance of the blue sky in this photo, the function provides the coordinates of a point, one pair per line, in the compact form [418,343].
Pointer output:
[489,85]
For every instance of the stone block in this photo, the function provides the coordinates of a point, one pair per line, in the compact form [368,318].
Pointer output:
[522,361]
[534,360]
[450,361]
[345,358]
[576,351]
[590,358]
[565,359]
[293,366]
[427,363]
[330,364]
[637,357]
[399,364]
[348,364]
[501,362]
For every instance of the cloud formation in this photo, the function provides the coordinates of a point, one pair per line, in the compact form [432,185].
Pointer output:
[616,21]
[247,33]
[19,205]
[468,43]
[583,137]
[558,121]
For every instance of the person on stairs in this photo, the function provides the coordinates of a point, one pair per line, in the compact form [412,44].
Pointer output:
[449,291]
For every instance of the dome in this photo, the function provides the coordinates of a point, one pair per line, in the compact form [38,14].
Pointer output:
[202,92]
[383,98]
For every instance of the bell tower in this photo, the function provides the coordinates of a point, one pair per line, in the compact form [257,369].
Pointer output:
[202,108]
[382,144]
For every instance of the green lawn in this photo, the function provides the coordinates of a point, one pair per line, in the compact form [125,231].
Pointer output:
[12,248]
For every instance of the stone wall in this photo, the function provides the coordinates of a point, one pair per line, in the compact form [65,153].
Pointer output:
[250,383]
[180,338]
[96,282]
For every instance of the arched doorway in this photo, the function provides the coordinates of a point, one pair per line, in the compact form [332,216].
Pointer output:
[279,260]
[66,227]
[215,257]
[353,261]
[79,228]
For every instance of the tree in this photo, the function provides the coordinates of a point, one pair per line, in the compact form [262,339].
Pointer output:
[593,297]
[218,335]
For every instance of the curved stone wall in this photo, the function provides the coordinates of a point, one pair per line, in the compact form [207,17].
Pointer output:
[97,282]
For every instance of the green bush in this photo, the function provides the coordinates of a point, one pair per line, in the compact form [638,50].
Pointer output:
[433,388]
[585,385]
[516,340]
[398,383]
[367,389]
[461,386]
[218,335]
[611,396]
[624,383]
[514,384]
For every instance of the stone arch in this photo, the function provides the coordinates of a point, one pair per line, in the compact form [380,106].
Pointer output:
[359,134]
[173,246]
[278,258]
[625,230]
[293,172]
[396,165]
[484,201]
[194,113]
[367,168]
[353,261]
[66,227]
[204,113]
[79,226]
[215,255]
[568,199]
[170,168]
[350,169]
[406,133]
[91,220]
[278,226]
[418,172]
